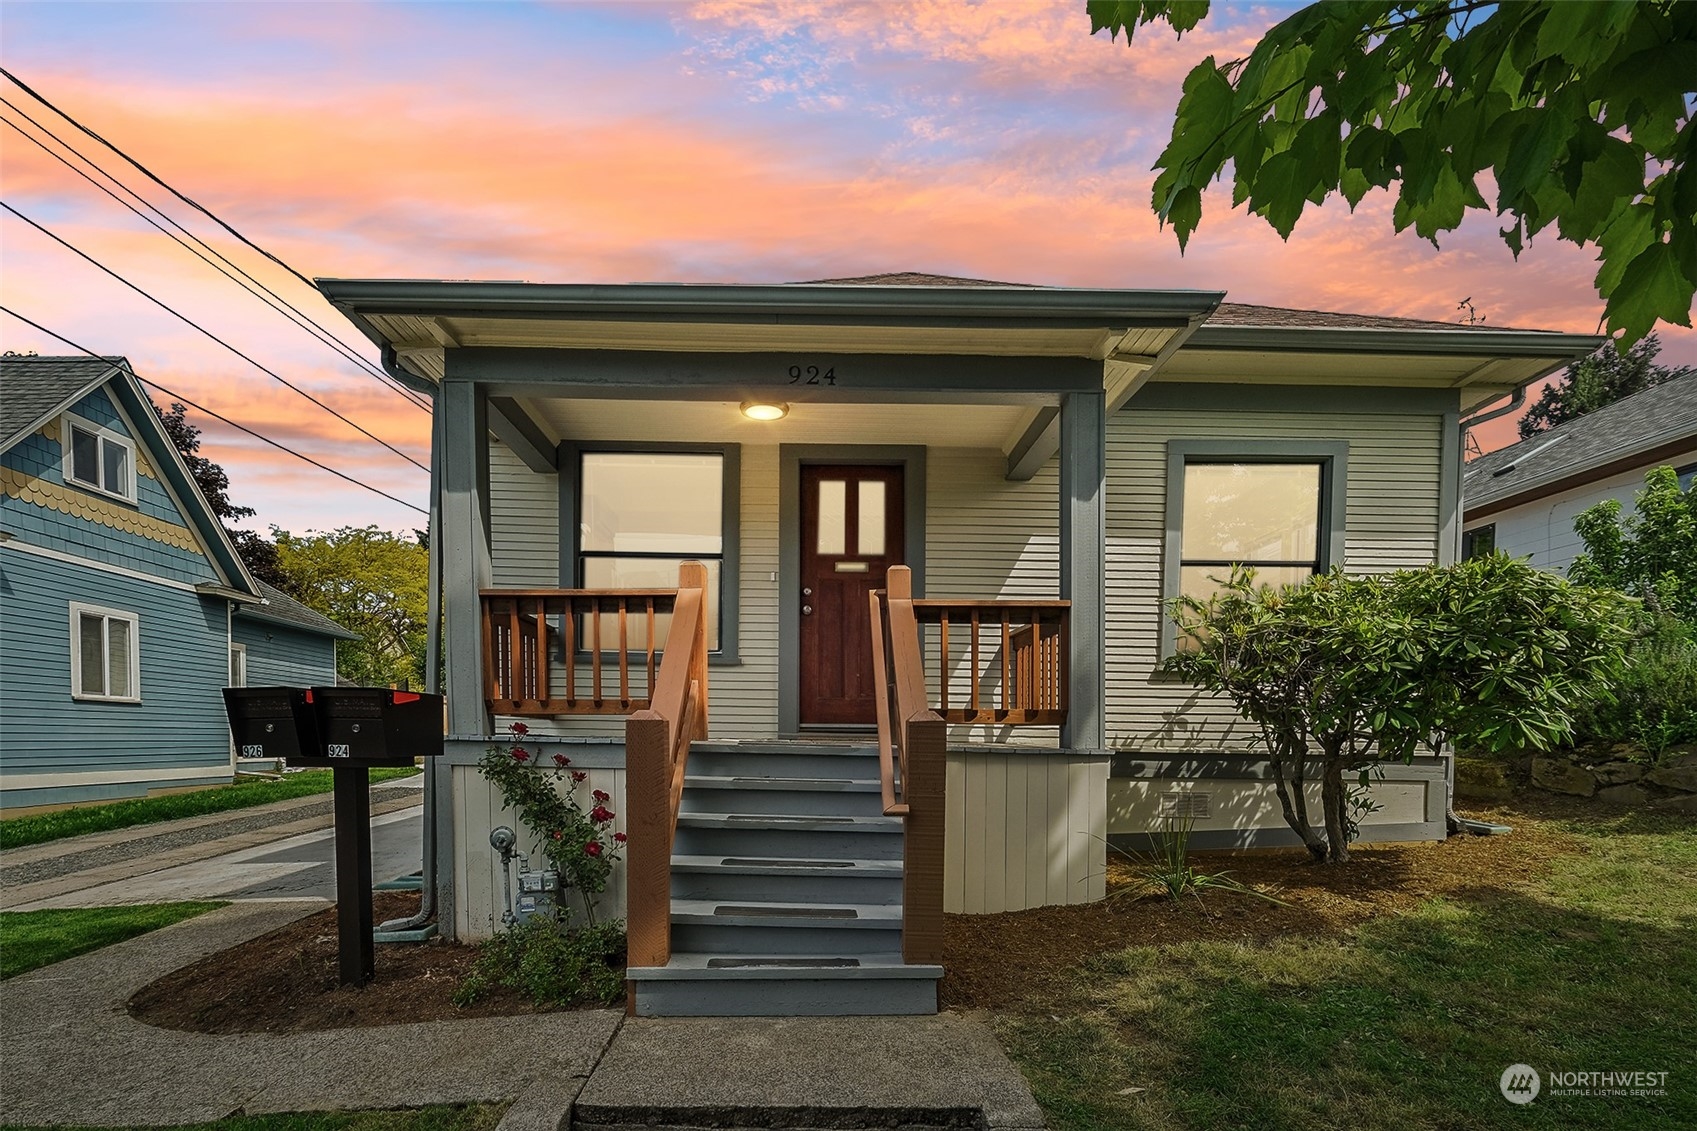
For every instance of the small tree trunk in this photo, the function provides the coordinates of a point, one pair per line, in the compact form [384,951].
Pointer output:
[1333,798]
[1294,805]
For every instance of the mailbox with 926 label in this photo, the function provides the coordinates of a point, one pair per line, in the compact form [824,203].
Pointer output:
[272,722]
[375,726]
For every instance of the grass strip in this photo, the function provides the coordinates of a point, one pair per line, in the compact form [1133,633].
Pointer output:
[17,832]
[442,1117]
[32,939]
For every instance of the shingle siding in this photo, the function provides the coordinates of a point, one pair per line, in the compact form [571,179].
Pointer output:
[283,656]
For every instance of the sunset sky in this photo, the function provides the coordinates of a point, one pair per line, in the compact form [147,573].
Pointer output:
[721,141]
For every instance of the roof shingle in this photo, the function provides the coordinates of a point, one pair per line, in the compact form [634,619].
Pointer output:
[31,387]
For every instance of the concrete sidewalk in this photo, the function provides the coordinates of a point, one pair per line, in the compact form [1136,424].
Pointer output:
[71,1055]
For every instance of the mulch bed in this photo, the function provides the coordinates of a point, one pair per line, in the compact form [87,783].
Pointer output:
[286,981]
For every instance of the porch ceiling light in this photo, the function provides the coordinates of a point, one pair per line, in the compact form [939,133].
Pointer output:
[765,410]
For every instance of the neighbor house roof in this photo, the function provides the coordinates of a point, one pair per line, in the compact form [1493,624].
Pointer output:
[34,389]
[1644,429]
[280,608]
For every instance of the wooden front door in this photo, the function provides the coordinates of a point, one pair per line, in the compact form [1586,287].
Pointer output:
[851,534]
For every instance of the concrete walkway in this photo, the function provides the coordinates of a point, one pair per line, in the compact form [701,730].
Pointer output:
[71,1055]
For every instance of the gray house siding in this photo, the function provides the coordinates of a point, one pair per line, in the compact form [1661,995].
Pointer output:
[58,749]
[277,655]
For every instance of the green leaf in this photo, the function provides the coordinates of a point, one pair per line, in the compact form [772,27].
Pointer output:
[1280,192]
[1184,212]
[1614,179]
[1531,155]
[1652,287]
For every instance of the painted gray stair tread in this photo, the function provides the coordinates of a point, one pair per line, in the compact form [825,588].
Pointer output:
[702,965]
[779,746]
[755,866]
[802,915]
[795,784]
[836,824]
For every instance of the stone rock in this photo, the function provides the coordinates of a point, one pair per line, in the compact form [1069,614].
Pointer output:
[1623,795]
[1684,804]
[1558,775]
[1626,752]
[1481,779]
[1677,773]
[1617,773]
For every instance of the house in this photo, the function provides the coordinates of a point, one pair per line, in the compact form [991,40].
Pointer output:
[126,609]
[935,521]
[1523,499]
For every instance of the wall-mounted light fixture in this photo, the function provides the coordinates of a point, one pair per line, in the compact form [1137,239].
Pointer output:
[765,410]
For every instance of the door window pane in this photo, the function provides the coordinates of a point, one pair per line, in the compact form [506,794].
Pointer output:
[118,658]
[91,652]
[1247,512]
[833,516]
[871,517]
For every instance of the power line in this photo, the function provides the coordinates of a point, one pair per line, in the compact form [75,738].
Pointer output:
[191,322]
[176,396]
[154,177]
[276,301]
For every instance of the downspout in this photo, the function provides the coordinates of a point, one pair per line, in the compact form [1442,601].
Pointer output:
[1516,399]
[432,644]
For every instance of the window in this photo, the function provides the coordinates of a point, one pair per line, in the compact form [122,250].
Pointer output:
[641,514]
[105,661]
[1277,506]
[1479,541]
[99,459]
[238,665]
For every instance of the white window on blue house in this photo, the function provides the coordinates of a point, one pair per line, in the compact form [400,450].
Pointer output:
[99,459]
[105,654]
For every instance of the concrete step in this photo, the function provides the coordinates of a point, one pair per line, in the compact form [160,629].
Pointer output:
[788,835]
[753,985]
[834,796]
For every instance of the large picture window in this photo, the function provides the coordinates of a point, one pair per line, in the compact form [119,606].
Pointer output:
[98,459]
[105,663]
[641,514]
[1277,506]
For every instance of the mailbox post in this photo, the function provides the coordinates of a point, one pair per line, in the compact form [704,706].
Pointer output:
[347,730]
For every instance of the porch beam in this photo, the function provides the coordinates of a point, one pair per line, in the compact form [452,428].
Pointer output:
[513,371]
[515,427]
[1083,542]
[1040,440]
[465,550]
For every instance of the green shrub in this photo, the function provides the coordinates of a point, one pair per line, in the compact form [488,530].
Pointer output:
[553,965]
[1653,704]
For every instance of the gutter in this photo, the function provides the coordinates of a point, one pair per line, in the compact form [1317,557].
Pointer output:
[392,364]
[213,589]
[1560,347]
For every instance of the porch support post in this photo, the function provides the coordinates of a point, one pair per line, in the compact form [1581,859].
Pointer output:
[465,549]
[1083,505]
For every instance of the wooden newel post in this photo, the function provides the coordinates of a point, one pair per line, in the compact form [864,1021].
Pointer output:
[648,856]
[898,583]
[926,743]
[693,575]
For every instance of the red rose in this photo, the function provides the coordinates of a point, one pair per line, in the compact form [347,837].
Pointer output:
[602,795]
[562,761]
[601,814]
[519,728]
[520,754]
[620,838]
[558,835]
[592,847]
[579,776]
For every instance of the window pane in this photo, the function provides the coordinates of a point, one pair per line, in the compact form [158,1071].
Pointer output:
[639,502]
[116,461]
[1252,512]
[644,573]
[85,456]
[871,517]
[91,654]
[118,662]
[833,516]
[1199,581]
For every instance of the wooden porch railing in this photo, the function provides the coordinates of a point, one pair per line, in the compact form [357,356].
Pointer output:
[656,753]
[912,747]
[1027,643]
[571,651]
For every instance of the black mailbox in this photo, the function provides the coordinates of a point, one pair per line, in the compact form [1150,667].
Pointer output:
[376,726]
[272,722]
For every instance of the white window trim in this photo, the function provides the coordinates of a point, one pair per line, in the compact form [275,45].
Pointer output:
[106,435]
[238,650]
[77,610]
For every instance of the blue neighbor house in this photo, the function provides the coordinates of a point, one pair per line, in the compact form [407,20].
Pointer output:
[124,609]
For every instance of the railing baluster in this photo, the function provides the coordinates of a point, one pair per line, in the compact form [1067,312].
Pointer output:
[515,688]
[943,661]
[542,649]
[571,652]
[624,654]
[595,652]
[975,705]
[1007,658]
[649,692]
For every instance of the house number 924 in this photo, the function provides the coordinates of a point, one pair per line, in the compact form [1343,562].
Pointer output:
[812,375]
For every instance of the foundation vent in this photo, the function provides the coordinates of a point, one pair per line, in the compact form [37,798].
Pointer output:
[1185,803]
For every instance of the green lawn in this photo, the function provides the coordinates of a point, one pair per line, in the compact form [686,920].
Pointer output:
[29,939]
[1408,1021]
[16,832]
[479,1117]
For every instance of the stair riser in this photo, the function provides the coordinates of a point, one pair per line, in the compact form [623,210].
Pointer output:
[786,940]
[787,998]
[710,763]
[788,844]
[832,891]
[797,803]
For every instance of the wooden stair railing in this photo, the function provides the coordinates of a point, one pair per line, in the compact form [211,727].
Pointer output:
[656,755]
[912,750]
[1027,643]
[571,651]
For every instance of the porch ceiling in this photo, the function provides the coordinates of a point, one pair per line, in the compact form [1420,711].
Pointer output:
[952,426]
